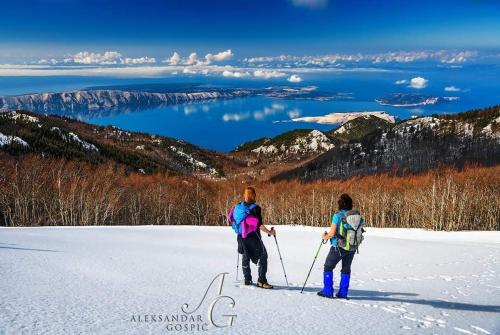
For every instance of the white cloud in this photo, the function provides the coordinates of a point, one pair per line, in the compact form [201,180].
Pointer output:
[106,58]
[268,74]
[219,57]
[235,74]
[158,70]
[175,59]
[310,3]
[441,56]
[192,59]
[294,78]
[460,57]
[452,89]
[418,82]
[91,58]
[140,60]
[51,61]
[187,70]
[401,82]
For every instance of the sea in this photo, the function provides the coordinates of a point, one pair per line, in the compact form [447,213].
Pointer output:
[222,125]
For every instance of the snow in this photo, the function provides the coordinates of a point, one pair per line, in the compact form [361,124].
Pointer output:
[314,141]
[62,280]
[341,118]
[266,149]
[9,139]
[193,161]
[72,137]
[488,130]
[84,144]
[21,116]
[347,126]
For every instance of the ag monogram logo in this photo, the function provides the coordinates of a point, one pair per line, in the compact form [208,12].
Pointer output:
[217,299]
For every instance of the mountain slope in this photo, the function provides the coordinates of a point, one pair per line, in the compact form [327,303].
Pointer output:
[413,145]
[23,133]
[292,145]
[356,129]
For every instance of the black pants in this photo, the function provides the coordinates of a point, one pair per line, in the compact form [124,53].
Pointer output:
[262,266]
[337,254]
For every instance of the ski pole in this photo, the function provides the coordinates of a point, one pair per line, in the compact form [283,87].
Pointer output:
[316,256]
[237,265]
[281,259]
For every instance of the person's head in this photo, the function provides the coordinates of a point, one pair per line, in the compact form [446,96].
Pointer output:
[250,195]
[345,202]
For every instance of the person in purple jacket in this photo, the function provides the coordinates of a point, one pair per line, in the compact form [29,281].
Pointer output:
[246,219]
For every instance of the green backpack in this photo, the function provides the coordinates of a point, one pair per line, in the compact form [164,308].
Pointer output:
[350,232]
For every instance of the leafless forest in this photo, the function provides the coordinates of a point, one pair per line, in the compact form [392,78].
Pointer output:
[45,192]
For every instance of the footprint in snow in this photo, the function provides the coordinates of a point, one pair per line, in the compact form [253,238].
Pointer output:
[398,308]
[247,287]
[479,329]
[389,310]
[465,331]
[379,280]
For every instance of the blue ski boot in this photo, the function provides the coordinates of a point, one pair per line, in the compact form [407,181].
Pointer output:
[327,291]
[344,285]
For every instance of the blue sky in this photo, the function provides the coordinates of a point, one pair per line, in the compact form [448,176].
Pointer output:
[49,28]
[242,38]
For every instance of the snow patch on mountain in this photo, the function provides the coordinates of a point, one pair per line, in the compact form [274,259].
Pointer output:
[21,116]
[72,137]
[488,130]
[193,161]
[266,149]
[314,142]
[84,144]
[9,139]
[341,118]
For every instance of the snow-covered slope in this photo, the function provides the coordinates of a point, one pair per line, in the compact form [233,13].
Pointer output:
[356,129]
[52,136]
[292,145]
[413,145]
[10,140]
[99,280]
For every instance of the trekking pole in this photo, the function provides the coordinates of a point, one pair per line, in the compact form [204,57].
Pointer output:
[316,256]
[281,259]
[237,265]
